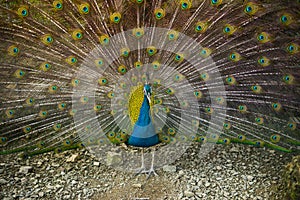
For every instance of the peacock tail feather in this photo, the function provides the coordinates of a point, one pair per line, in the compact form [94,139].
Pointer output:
[221,71]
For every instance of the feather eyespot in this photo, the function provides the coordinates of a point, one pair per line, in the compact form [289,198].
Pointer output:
[23,11]
[115,17]
[84,8]
[159,13]
[58,5]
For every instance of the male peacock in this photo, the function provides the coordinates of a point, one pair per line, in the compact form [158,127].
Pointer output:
[103,74]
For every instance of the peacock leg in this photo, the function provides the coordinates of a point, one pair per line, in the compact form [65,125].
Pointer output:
[142,169]
[151,170]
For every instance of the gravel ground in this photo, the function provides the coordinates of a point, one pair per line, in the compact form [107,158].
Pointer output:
[227,172]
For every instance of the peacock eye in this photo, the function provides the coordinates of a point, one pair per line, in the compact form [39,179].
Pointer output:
[78,35]
[284,18]
[227,29]
[248,9]
[115,17]
[24,12]
[85,9]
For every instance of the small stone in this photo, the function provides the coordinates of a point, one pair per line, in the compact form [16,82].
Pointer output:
[137,185]
[41,194]
[218,168]
[234,150]
[235,173]
[74,182]
[67,196]
[85,191]
[97,164]
[1,171]
[207,184]
[251,183]
[188,194]
[169,168]
[55,165]
[250,178]
[226,194]
[72,158]
[25,169]
[3,181]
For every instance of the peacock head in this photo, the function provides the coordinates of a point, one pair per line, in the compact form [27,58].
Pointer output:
[147,91]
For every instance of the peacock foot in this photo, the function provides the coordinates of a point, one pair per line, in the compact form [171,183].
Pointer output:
[143,170]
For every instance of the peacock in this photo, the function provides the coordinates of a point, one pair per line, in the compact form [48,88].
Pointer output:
[134,80]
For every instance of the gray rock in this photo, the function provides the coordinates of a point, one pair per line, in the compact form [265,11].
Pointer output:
[188,194]
[137,185]
[3,181]
[25,169]
[207,184]
[72,158]
[41,194]
[74,182]
[250,178]
[169,168]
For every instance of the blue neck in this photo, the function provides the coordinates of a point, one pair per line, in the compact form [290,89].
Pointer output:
[144,116]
